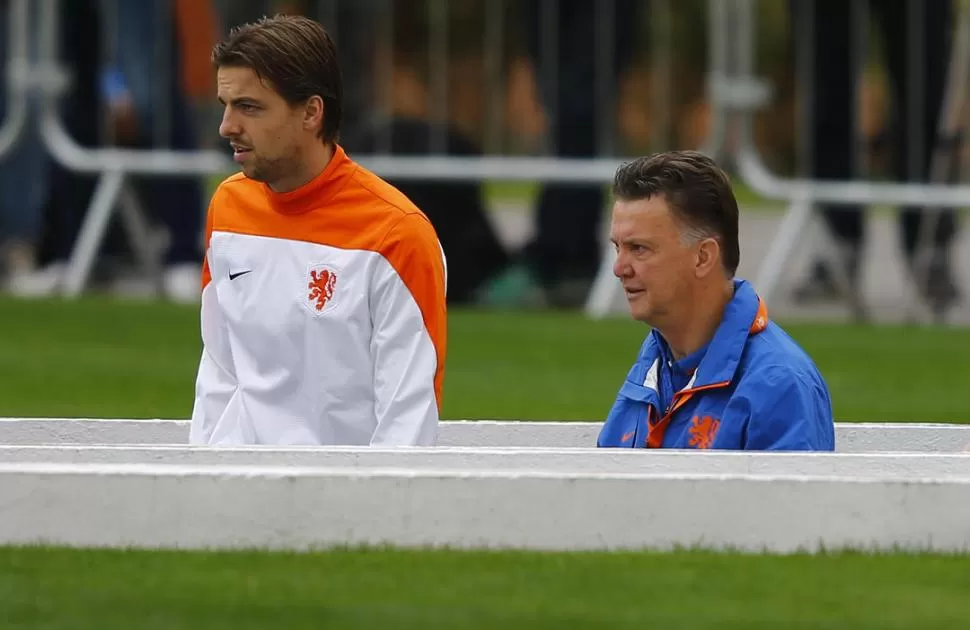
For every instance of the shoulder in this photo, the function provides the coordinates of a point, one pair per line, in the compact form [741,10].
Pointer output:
[398,221]
[381,194]
[403,238]
[775,348]
[221,201]
[771,376]
[232,189]
[774,365]
[233,183]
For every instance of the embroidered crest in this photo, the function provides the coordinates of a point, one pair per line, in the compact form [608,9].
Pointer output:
[321,285]
[703,431]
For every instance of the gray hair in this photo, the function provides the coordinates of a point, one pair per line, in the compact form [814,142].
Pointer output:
[689,235]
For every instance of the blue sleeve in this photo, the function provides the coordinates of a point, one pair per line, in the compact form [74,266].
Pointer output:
[626,423]
[788,410]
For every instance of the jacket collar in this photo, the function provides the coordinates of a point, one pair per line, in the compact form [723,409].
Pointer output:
[745,315]
[320,190]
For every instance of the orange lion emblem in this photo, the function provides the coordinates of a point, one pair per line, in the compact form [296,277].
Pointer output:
[322,284]
[703,431]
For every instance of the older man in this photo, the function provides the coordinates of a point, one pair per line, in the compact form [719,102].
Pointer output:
[714,371]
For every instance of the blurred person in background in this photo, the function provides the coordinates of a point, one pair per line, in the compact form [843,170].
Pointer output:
[917,38]
[25,172]
[44,200]
[323,301]
[404,126]
[408,128]
[148,106]
[564,255]
[714,371]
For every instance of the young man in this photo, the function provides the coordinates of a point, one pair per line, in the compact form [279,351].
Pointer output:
[714,371]
[323,305]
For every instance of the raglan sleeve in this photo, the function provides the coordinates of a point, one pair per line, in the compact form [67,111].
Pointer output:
[215,382]
[409,337]
[787,410]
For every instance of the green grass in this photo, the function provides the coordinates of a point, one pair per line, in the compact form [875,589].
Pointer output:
[97,357]
[101,358]
[104,590]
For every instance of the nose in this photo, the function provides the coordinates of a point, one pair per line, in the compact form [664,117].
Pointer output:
[621,268]
[229,127]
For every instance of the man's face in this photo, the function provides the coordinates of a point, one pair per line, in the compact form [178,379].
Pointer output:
[655,266]
[266,134]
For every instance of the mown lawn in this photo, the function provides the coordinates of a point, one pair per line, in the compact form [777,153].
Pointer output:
[57,589]
[104,358]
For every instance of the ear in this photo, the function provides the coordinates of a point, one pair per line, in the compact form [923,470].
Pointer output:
[708,257]
[313,113]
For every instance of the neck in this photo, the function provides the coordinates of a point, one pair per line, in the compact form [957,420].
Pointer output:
[314,162]
[691,330]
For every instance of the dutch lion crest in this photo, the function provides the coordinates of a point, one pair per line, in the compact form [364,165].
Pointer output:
[322,282]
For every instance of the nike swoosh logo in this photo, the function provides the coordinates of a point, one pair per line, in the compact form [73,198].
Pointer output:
[233,276]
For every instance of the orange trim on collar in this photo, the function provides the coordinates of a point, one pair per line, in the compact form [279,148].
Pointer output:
[656,430]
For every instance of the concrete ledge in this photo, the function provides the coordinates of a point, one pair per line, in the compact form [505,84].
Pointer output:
[287,508]
[850,437]
[580,461]
[18,431]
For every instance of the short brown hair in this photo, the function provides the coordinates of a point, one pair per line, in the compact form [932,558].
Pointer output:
[296,56]
[698,192]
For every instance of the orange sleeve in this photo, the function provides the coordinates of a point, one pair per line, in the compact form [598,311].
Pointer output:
[206,273]
[413,250]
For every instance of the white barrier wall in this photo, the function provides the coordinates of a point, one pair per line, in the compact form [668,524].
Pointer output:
[302,508]
[598,461]
[850,437]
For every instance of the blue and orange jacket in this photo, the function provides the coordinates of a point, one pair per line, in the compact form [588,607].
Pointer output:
[750,388]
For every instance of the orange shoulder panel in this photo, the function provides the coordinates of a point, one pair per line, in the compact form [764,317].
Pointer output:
[353,218]
[413,250]
[214,203]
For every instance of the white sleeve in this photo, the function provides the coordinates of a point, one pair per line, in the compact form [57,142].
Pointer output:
[407,343]
[216,380]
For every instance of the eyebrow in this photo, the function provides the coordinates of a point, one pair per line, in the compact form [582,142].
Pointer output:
[241,100]
[631,240]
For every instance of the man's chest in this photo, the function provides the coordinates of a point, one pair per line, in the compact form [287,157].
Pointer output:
[704,422]
[275,285]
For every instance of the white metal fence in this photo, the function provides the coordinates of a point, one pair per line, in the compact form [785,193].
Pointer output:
[735,92]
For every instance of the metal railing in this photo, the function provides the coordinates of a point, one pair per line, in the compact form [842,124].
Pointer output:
[802,193]
[18,66]
[736,94]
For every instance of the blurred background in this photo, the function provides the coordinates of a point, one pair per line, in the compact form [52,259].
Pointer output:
[504,120]
[841,123]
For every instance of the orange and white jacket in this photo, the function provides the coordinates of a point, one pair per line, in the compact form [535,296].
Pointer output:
[323,315]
